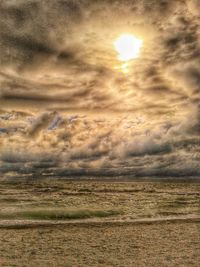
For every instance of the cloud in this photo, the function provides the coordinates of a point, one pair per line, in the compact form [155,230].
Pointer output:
[82,145]
[188,77]
[193,6]
[142,146]
[67,109]
[38,124]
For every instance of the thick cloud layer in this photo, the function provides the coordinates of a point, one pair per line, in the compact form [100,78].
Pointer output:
[66,108]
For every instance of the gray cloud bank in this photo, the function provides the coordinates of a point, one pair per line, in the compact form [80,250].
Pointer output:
[65,145]
[65,107]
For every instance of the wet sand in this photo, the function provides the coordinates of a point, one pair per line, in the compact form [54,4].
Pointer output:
[158,224]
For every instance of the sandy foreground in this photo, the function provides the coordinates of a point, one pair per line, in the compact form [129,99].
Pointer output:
[157,224]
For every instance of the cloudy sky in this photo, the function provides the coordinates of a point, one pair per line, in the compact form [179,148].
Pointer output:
[66,105]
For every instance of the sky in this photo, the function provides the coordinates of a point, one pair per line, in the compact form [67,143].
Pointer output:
[67,107]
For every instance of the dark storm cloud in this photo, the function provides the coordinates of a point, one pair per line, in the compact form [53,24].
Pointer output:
[58,56]
[33,28]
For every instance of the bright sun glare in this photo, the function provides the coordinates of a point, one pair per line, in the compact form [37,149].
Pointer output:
[127,46]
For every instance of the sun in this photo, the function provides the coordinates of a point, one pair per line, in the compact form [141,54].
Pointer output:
[128,47]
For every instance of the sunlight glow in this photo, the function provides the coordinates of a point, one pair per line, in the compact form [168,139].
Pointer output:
[124,67]
[127,46]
